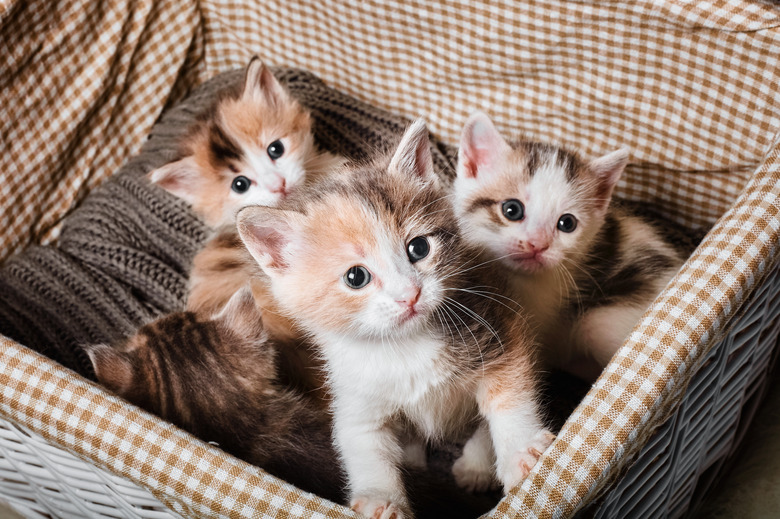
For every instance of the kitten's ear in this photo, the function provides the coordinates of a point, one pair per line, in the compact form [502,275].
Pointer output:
[242,315]
[113,368]
[269,234]
[607,171]
[259,81]
[414,153]
[180,178]
[480,145]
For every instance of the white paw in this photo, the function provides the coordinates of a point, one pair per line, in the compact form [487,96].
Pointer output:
[473,474]
[523,459]
[415,456]
[379,508]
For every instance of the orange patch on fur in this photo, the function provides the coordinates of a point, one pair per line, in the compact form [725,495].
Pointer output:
[513,375]
[336,221]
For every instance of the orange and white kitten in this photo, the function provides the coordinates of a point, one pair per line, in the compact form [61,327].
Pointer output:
[585,270]
[255,146]
[372,266]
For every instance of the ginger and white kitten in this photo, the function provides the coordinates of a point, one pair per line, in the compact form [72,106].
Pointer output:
[217,378]
[255,146]
[371,264]
[584,269]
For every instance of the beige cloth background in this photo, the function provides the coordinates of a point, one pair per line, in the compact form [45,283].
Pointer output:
[686,86]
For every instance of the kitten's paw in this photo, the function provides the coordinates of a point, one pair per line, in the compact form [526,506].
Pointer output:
[379,508]
[415,456]
[523,460]
[473,474]
[475,470]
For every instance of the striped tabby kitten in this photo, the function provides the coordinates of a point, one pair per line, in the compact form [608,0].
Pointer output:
[586,271]
[255,146]
[372,266]
[216,378]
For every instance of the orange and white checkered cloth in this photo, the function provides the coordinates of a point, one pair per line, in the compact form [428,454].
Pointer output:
[691,88]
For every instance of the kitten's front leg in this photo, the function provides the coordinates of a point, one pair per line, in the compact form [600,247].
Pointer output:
[371,454]
[507,401]
[475,470]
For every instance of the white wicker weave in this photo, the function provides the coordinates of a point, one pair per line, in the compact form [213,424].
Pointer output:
[40,480]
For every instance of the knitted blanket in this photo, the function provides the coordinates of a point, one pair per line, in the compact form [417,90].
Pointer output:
[124,254]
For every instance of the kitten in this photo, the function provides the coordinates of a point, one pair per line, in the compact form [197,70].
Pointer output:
[216,378]
[255,146]
[372,266]
[585,270]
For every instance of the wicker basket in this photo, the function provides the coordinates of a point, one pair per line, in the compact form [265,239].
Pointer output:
[652,433]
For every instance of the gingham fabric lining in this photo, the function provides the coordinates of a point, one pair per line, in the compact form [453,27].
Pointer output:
[75,78]
[687,86]
[192,478]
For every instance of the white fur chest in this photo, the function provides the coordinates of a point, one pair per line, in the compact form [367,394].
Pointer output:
[414,377]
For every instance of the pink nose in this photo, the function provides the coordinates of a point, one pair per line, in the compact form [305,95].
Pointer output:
[409,296]
[538,248]
[277,184]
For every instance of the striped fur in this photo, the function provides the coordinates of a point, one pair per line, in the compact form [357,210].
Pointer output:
[584,288]
[219,270]
[217,378]
[427,344]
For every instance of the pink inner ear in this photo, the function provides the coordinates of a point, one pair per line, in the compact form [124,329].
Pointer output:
[271,242]
[479,146]
[608,170]
[266,234]
[179,178]
[471,160]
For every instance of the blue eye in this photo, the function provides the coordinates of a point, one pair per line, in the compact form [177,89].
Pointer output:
[240,184]
[417,249]
[567,223]
[275,149]
[513,210]
[357,277]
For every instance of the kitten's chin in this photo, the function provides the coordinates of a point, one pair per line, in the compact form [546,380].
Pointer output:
[526,262]
[410,317]
[410,322]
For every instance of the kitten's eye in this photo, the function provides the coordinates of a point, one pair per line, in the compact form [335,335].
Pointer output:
[240,184]
[513,210]
[357,277]
[417,249]
[567,223]
[275,149]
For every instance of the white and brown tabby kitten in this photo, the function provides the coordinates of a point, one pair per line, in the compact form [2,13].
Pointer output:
[371,264]
[584,269]
[217,378]
[254,146]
